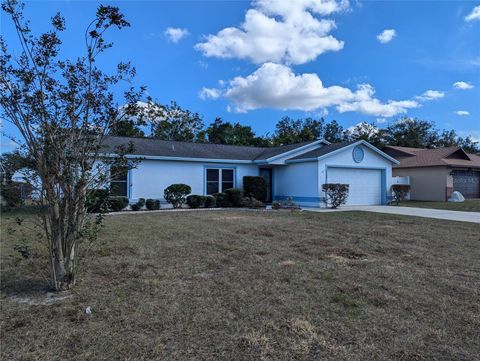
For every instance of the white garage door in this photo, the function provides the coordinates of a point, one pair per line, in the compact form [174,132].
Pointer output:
[365,184]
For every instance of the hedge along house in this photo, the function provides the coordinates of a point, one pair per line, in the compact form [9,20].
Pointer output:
[436,173]
[293,171]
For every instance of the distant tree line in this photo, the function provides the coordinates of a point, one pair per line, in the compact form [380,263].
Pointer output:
[171,122]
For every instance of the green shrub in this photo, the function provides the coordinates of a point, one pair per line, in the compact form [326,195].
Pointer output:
[176,194]
[235,196]
[116,204]
[195,201]
[209,202]
[139,205]
[135,207]
[97,201]
[14,194]
[222,200]
[251,202]
[152,204]
[400,192]
[335,194]
[255,186]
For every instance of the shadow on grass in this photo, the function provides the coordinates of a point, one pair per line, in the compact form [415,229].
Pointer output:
[28,286]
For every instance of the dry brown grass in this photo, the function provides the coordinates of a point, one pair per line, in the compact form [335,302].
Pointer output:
[254,285]
[469,205]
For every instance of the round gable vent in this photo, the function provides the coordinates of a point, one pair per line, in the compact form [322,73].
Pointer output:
[358,154]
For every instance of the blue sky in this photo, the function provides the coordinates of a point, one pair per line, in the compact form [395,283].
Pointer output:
[298,58]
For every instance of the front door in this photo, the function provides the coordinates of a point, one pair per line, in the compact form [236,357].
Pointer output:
[267,174]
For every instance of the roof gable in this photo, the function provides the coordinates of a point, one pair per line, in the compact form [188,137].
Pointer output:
[459,154]
[334,148]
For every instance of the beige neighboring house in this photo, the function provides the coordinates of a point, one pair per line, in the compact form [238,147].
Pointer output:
[436,173]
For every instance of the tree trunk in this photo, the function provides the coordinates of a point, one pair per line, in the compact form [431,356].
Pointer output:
[64,271]
[62,250]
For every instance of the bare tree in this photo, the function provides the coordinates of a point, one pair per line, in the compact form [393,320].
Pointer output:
[63,109]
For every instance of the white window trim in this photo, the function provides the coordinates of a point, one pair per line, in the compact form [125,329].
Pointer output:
[127,182]
[220,178]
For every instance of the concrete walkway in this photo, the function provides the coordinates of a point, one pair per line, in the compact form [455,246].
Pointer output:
[473,217]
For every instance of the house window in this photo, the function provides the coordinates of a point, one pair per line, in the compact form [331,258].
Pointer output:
[119,181]
[218,180]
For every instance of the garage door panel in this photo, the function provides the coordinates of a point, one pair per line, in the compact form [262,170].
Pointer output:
[365,185]
[467,183]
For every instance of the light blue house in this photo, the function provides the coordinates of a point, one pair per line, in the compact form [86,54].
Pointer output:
[297,171]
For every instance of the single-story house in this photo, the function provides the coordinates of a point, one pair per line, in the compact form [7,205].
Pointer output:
[297,171]
[436,173]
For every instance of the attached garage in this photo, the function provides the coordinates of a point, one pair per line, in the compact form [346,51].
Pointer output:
[365,185]
[366,170]
[467,182]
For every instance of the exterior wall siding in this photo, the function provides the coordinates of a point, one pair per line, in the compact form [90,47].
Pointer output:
[427,184]
[298,181]
[151,177]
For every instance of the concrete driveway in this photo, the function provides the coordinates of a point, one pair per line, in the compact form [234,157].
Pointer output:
[473,217]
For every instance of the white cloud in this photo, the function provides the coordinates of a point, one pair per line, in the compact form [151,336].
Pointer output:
[276,86]
[381,120]
[462,85]
[431,95]
[386,36]
[209,93]
[176,34]
[474,15]
[462,112]
[278,31]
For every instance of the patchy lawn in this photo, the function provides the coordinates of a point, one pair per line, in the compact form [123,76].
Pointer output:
[238,285]
[470,205]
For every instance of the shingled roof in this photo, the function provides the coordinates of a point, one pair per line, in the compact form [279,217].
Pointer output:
[454,157]
[166,148]
[323,150]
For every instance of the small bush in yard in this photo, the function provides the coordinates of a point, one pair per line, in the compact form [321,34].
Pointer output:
[139,205]
[135,207]
[116,204]
[251,202]
[176,194]
[195,201]
[335,194]
[97,201]
[222,200]
[152,204]
[400,192]
[235,196]
[257,186]
[209,202]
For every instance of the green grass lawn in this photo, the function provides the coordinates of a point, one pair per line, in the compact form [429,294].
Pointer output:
[469,205]
[241,285]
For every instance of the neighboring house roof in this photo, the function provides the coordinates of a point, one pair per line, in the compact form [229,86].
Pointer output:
[166,148]
[454,157]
